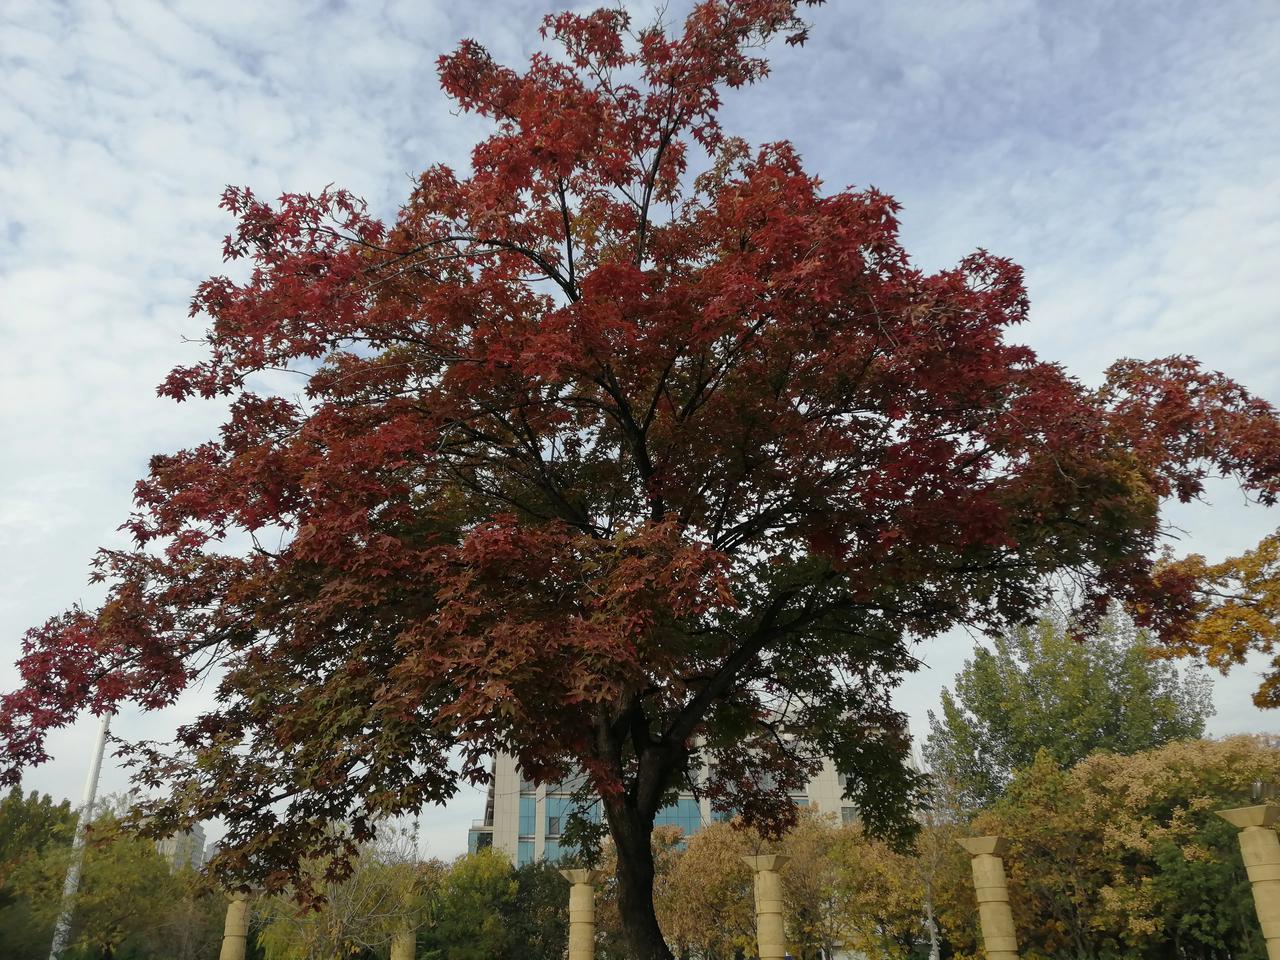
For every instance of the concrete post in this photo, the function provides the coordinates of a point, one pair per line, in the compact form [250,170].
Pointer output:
[582,912]
[989,883]
[1260,848]
[771,934]
[404,945]
[236,931]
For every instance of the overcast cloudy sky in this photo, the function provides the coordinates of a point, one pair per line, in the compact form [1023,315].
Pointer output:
[1127,154]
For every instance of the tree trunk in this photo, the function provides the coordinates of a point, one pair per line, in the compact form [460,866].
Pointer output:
[632,833]
[931,923]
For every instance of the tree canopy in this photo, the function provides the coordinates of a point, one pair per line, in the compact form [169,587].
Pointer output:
[1235,607]
[388,892]
[30,825]
[130,904]
[1123,858]
[1039,688]
[632,448]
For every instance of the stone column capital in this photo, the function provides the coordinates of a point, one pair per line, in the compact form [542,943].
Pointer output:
[990,846]
[768,861]
[1263,815]
[583,876]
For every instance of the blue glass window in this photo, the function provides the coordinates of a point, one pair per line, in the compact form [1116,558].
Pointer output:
[684,813]
[558,810]
[524,852]
[561,808]
[551,850]
[528,816]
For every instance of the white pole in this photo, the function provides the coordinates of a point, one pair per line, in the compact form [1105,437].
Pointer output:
[62,930]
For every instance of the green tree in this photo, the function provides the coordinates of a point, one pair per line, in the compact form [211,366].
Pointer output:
[476,898]
[179,920]
[539,919]
[29,825]
[1206,905]
[126,890]
[1041,688]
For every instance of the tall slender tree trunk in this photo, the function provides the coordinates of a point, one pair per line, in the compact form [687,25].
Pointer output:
[931,923]
[632,837]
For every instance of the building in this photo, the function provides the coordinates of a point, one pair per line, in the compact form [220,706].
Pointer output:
[184,849]
[525,820]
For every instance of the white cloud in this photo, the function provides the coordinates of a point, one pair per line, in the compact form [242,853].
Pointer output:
[1124,153]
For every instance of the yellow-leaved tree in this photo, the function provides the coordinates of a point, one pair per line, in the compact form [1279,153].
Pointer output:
[1237,611]
[1124,856]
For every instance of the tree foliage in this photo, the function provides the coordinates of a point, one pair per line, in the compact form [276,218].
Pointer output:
[388,891]
[539,921]
[1236,606]
[609,462]
[476,907]
[30,825]
[1040,688]
[485,910]
[1115,858]
[708,880]
[843,891]
[130,905]
[1124,857]
[476,899]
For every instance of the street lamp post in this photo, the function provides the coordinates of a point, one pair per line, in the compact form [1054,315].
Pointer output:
[62,929]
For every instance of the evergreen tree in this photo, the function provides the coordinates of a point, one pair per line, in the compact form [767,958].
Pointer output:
[1040,688]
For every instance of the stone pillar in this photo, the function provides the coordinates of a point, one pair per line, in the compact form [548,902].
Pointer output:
[998,935]
[771,934]
[236,931]
[1260,848]
[404,945]
[582,912]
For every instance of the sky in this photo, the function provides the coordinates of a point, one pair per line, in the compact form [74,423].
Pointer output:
[1126,154]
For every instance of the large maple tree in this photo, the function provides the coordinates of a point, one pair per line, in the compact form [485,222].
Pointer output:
[610,466]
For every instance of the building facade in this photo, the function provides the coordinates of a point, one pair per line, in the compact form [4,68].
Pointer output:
[525,820]
[184,849]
